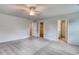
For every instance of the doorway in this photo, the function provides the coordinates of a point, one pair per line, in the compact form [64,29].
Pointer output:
[62,30]
[30,28]
[41,29]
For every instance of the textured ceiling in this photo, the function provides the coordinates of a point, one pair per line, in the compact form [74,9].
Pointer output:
[51,10]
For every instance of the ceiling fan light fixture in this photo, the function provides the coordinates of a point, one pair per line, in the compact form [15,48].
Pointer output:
[32,13]
[34,9]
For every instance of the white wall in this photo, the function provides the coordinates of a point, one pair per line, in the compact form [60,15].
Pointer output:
[34,29]
[73,27]
[74,32]
[13,28]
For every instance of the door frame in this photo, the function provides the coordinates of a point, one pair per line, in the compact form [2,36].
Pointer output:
[43,30]
[65,39]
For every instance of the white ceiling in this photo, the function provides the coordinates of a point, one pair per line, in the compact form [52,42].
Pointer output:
[51,10]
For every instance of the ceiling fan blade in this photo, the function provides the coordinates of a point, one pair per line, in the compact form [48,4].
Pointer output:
[15,7]
[36,11]
[40,8]
[20,8]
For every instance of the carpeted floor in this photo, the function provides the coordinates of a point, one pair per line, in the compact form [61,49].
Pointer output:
[37,46]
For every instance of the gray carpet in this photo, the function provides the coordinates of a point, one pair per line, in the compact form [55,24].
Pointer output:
[37,46]
[51,51]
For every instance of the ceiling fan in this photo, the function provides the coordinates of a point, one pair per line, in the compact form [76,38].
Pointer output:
[31,9]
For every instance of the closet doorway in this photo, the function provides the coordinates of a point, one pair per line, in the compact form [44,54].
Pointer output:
[41,29]
[62,30]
